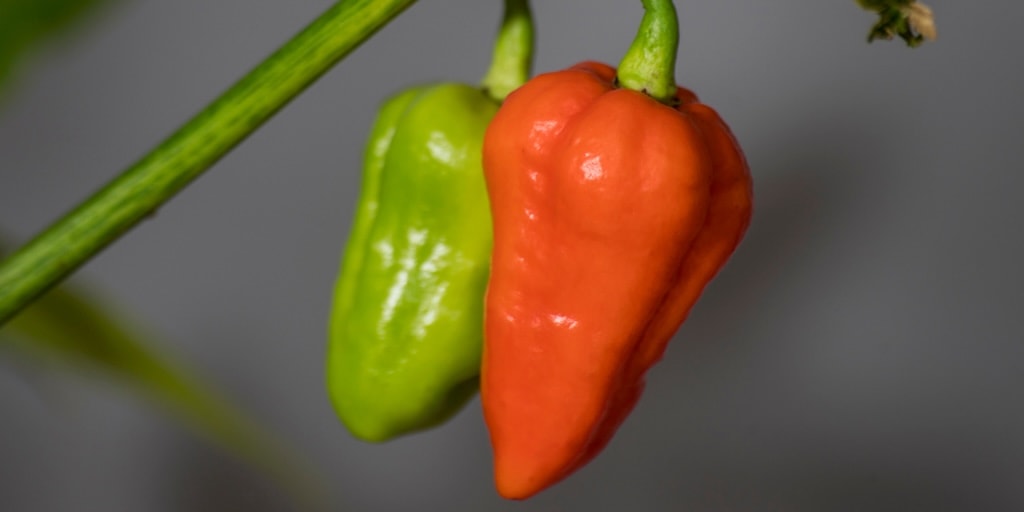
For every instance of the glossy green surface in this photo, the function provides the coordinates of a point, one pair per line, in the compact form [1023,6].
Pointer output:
[406,325]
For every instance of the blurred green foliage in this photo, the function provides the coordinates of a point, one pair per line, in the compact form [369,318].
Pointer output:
[69,331]
[24,23]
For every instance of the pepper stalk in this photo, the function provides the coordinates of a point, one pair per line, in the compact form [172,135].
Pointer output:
[513,52]
[649,64]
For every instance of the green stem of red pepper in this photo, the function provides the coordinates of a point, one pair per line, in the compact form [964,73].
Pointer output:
[649,65]
[513,51]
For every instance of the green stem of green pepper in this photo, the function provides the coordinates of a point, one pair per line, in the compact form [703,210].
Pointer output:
[142,188]
[649,64]
[513,51]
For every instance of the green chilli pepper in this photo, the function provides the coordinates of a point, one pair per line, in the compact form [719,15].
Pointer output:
[406,325]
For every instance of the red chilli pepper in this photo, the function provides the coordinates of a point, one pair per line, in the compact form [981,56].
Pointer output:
[612,211]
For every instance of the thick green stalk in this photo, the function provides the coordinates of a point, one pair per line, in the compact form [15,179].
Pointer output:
[513,51]
[140,190]
[649,64]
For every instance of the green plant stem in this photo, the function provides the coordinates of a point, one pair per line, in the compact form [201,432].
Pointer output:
[649,64]
[140,190]
[513,51]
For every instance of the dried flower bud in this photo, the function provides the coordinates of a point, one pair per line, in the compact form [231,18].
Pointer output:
[921,20]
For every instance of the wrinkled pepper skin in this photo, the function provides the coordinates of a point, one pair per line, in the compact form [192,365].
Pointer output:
[406,324]
[611,212]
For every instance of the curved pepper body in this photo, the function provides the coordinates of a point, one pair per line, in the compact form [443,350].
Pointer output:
[611,213]
[406,324]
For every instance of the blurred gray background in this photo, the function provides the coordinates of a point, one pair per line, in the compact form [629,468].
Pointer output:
[861,352]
